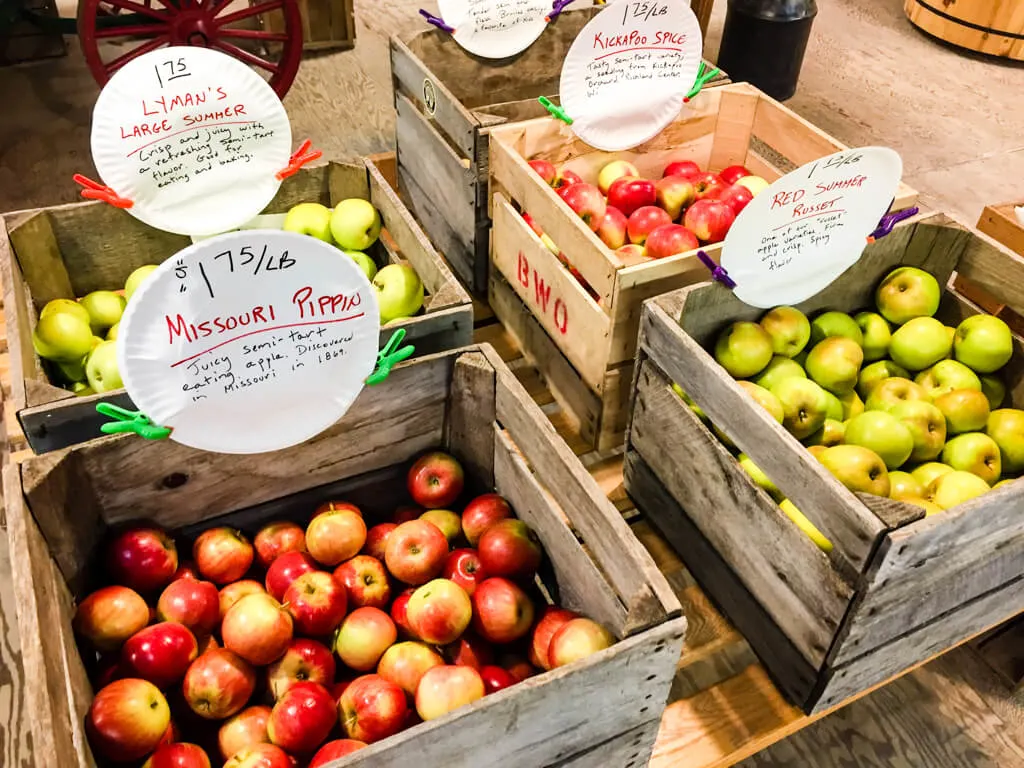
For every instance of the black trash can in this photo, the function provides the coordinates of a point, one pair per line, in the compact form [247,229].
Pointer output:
[764,41]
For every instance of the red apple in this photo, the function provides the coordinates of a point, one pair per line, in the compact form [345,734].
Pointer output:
[405,663]
[708,185]
[577,639]
[179,755]
[463,567]
[302,719]
[243,730]
[160,653]
[126,720]
[439,611]
[481,513]
[736,196]
[339,688]
[405,514]
[363,637]
[563,190]
[257,628]
[207,643]
[670,239]
[365,582]
[317,603]
[496,679]
[274,539]
[336,506]
[305,661]
[435,480]
[510,548]
[372,709]
[222,555]
[260,756]
[171,735]
[335,535]
[518,667]
[186,570]
[143,559]
[614,170]
[470,650]
[502,612]
[334,750]
[445,689]
[673,194]
[286,569]
[627,194]
[566,178]
[416,552]
[109,616]
[218,684]
[733,173]
[645,220]
[449,523]
[545,170]
[631,252]
[588,203]
[685,168]
[399,613]
[377,539]
[191,602]
[234,592]
[108,669]
[709,220]
[551,621]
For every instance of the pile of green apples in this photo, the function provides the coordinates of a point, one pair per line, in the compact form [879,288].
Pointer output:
[893,403]
[78,338]
[354,225]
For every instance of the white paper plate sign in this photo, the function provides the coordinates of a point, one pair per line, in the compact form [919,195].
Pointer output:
[250,342]
[495,29]
[192,137]
[628,71]
[806,229]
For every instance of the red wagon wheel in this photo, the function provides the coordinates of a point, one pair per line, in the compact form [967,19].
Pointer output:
[113,32]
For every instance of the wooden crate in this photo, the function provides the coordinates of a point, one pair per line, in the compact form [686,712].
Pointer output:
[587,345]
[1000,223]
[447,100]
[897,587]
[326,24]
[60,506]
[69,250]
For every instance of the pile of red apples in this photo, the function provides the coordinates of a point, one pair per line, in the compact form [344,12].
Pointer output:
[309,643]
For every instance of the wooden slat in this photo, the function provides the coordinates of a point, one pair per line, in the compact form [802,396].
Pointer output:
[35,246]
[630,750]
[1000,223]
[17,311]
[995,269]
[796,139]
[733,129]
[471,411]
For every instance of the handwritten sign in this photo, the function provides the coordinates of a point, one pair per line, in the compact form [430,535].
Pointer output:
[807,228]
[192,137]
[249,342]
[625,76]
[495,29]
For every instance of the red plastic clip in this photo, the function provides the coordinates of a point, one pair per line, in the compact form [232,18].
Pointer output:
[93,190]
[301,157]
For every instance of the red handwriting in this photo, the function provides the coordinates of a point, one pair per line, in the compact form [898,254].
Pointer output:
[542,294]
[161,105]
[323,306]
[633,39]
[146,129]
[179,326]
[801,211]
[156,128]
[854,181]
[781,199]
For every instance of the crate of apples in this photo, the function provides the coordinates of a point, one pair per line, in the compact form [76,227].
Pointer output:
[309,642]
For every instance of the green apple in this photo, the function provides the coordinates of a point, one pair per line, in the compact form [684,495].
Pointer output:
[927,426]
[743,349]
[954,488]
[105,309]
[1007,481]
[65,305]
[101,368]
[929,507]
[1006,428]
[399,292]
[801,359]
[832,433]
[983,343]
[789,330]
[804,404]
[72,371]
[852,405]
[834,363]
[884,434]
[62,337]
[976,453]
[723,438]
[689,401]
[765,399]
[805,525]
[966,410]
[779,368]
[136,278]
[311,219]
[113,331]
[758,476]
[919,343]
[926,473]
[889,392]
[355,224]
[945,376]
[817,450]
[364,262]
[951,332]
[904,484]
[835,408]
[876,372]
[835,324]
[877,334]
[81,389]
[994,389]
[906,293]
[858,468]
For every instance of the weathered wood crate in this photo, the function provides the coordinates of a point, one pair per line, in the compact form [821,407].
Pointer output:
[70,250]
[326,24]
[897,588]
[60,506]
[1000,223]
[447,100]
[585,346]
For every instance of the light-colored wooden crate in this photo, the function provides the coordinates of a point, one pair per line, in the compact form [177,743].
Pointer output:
[995,27]
[326,24]
[61,505]
[591,338]
[897,587]
[1000,223]
[69,250]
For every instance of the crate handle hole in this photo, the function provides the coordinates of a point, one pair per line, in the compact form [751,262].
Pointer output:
[175,480]
[643,709]
[648,697]
[651,677]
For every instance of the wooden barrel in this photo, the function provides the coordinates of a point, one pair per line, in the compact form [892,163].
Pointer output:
[994,27]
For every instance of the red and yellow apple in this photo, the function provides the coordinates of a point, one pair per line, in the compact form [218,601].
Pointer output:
[257,628]
[222,555]
[439,611]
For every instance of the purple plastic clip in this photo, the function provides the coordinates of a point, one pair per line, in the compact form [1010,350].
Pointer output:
[437,21]
[717,273]
[556,8]
[889,221]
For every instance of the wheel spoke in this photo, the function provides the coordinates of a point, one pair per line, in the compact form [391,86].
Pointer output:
[131,30]
[129,5]
[246,13]
[243,55]
[254,34]
[134,53]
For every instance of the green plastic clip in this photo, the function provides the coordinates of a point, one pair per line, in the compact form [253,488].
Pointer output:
[702,80]
[130,421]
[390,356]
[555,110]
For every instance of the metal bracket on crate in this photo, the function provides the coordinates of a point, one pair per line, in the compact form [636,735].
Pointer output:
[130,421]
[437,21]
[555,110]
[390,356]
[890,220]
[718,274]
[701,81]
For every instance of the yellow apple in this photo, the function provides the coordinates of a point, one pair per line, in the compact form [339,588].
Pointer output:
[858,468]
[65,305]
[743,349]
[884,434]
[355,224]
[789,329]
[758,476]
[835,324]
[1006,428]
[877,335]
[755,184]
[765,399]
[872,374]
[689,401]
[136,278]
[779,368]
[890,392]
[994,389]
[965,410]
[906,293]
[953,488]
[62,337]
[945,376]
[804,406]
[926,473]
[929,507]
[983,343]
[927,426]
[834,364]
[805,525]
[832,433]
[976,453]
[105,309]
[903,485]
[919,343]
[852,405]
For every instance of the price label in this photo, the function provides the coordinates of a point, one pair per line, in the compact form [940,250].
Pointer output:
[627,72]
[495,29]
[249,342]
[810,226]
[192,137]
